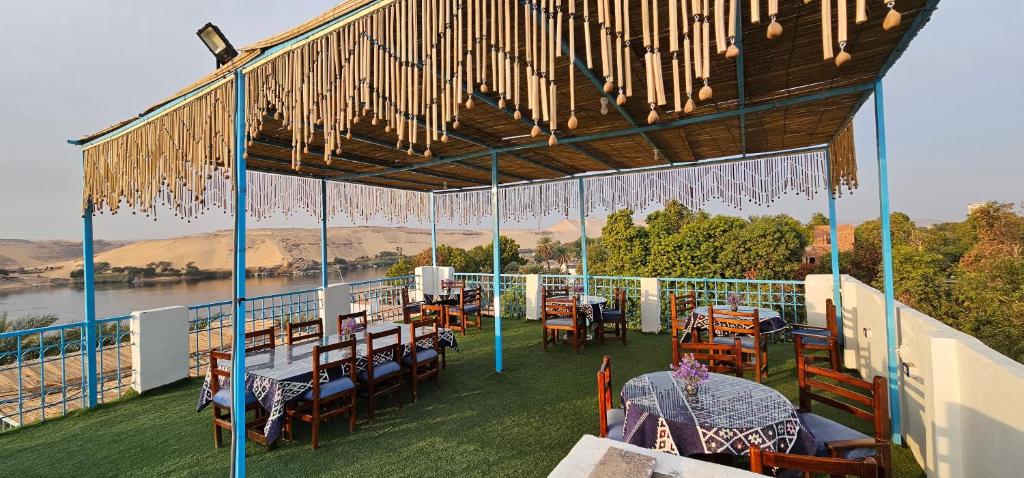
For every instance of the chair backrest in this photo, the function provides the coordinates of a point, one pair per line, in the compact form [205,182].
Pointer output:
[359,317]
[432,310]
[680,308]
[302,331]
[423,330]
[560,309]
[728,322]
[470,297]
[405,296]
[619,302]
[759,460]
[216,372]
[604,394]
[380,343]
[449,284]
[719,358]
[337,357]
[865,400]
[830,318]
[260,340]
[553,291]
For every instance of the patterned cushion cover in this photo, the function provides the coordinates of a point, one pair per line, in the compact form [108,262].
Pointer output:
[382,370]
[825,431]
[331,388]
[223,398]
[747,341]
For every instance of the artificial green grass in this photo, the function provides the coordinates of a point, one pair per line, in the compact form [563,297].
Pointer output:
[521,422]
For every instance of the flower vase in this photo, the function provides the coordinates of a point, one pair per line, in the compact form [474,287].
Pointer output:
[734,307]
[691,389]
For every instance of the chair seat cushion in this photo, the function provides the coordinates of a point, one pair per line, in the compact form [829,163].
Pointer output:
[747,341]
[611,315]
[814,332]
[223,398]
[825,431]
[381,370]
[616,418]
[331,388]
[422,355]
[815,340]
[470,309]
[559,322]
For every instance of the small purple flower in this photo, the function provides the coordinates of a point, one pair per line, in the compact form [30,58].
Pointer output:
[690,370]
[733,299]
[348,327]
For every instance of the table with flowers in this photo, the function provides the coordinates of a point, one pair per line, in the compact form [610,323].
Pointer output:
[725,414]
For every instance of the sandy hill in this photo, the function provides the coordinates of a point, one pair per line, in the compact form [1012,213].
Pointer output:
[275,247]
[15,253]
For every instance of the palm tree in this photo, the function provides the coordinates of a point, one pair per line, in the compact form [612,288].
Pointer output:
[546,249]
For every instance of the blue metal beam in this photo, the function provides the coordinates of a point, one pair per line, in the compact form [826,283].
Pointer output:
[833,231]
[495,213]
[583,237]
[765,106]
[323,235]
[433,231]
[891,330]
[238,321]
[89,284]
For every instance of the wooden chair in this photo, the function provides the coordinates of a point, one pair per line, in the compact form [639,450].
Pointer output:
[383,374]
[865,467]
[409,309]
[327,400]
[610,420]
[303,331]
[221,406]
[616,316]
[453,284]
[680,313]
[258,340]
[746,325]
[423,362]
[864,400]
[824,339]
[470,304]
[557,292]
[437,312]
[561,316]
[359,317]
[719,358]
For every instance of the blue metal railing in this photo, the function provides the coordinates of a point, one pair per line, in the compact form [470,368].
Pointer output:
[42,370]
[513,292]
[784,296]
[210,323]
[382,298]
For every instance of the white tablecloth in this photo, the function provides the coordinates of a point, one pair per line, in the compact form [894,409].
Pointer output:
[589,450]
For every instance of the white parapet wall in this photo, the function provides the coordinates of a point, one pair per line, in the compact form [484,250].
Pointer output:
[429,279]
[650,305]
[960,401]
[334,301]
[534,297]
[159,342]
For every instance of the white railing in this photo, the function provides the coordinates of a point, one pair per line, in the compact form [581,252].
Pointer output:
[961,412]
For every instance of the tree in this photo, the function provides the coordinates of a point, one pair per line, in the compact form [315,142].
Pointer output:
[403,267]
[545,251]
[625,244]
[769,247]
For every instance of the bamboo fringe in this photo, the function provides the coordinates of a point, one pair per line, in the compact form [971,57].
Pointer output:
[843,157]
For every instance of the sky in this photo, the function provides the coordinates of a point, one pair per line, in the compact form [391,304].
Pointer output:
[74,67]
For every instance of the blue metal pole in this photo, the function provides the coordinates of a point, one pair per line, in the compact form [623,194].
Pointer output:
[891,333]
[433,231]
[238,324]
[323,233]
[833,231]
[89,284]
[497,261]
[583,237]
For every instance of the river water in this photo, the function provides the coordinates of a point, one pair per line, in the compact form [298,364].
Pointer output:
[122,299]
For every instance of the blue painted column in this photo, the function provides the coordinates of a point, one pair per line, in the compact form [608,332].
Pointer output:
[583,237]
[891,332]
[238,323]
[833,232]
[497,261]
[433,231]
[89,285]
[323,234]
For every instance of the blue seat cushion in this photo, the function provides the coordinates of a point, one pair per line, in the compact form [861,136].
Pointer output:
[825,431]
[562,322]
[611,315]
[470,309]
[616,418]
[223,398]
[382,370]
[815,340]
[422,355]
[331,388]
[816,332]
[747,341]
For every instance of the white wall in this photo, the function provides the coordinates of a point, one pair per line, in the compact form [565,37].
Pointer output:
[159,342]
[961,402]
